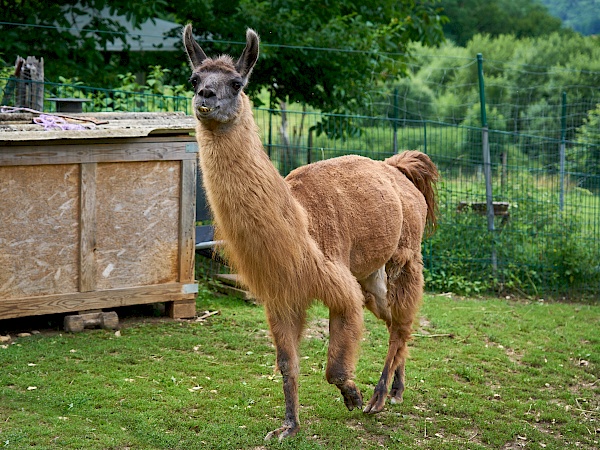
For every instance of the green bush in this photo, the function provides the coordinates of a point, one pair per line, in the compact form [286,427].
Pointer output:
[498,137]
[539,248]
[587,162]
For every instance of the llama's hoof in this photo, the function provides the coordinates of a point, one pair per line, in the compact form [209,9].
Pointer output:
[283,432]
[396,396]
[396,400]
[352,396]
[376,403]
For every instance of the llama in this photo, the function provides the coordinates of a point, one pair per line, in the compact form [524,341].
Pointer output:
[345,231]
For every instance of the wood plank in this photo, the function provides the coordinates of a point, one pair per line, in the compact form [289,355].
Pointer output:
[181,309]
[94,151]
[234,292]
[232,279]
[187,221]
[118,140]
[53,304]
[87,228]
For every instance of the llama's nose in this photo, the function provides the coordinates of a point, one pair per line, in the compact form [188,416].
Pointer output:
[207,92]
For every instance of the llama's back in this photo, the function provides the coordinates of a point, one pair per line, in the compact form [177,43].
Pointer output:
[359,210]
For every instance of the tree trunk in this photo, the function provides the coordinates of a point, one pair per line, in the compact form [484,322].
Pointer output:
[30,83]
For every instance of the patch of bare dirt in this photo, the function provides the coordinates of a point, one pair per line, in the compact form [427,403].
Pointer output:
[317,329]
[513,355]
[424,325]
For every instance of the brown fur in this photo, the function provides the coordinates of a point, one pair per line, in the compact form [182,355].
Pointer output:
[325,232]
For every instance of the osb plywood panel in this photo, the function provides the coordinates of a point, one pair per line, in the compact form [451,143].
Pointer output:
[137,223]
[109,125]
[39,236]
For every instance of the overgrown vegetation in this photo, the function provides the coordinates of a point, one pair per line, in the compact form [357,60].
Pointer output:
[587,166]
[154,93]
[484,374]
[539,249]
[524,81]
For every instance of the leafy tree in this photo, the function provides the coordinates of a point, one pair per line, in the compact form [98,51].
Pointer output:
[524,79]
[414,101]
[40,28]
[359,44]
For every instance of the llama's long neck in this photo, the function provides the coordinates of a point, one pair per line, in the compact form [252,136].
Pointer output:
[264,227]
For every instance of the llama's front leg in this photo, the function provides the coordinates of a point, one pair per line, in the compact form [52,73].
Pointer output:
[286,334]
[345,329]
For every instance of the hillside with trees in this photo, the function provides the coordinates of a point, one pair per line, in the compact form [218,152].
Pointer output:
[581,15]
[523,18]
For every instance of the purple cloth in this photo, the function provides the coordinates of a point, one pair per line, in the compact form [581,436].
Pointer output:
[58,123]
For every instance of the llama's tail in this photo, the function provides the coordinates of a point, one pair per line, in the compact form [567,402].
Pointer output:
[423,173]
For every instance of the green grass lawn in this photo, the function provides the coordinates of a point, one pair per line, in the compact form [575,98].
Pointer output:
[484,373]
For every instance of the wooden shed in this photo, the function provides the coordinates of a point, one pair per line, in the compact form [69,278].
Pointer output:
[97,218]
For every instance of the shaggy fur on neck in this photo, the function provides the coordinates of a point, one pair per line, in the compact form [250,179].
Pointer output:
[264,227]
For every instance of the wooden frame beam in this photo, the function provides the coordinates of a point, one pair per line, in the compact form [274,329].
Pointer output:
[83,301]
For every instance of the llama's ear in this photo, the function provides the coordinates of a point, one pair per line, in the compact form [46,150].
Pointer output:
[195,53]
[249,56]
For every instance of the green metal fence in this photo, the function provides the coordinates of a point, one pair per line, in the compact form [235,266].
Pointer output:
[519,199]
[545,243]
[96,99]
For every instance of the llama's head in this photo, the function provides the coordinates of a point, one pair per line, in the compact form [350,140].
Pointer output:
[218,83]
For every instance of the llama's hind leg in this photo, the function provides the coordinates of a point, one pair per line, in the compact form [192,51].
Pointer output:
[344,337]
[286,330]
[345,329]
[398,384]
[405,290]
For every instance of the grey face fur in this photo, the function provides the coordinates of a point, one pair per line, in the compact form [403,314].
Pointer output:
[218,83]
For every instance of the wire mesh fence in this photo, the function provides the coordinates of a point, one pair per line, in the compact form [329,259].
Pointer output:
[95,99]
[524,221]
[546,233]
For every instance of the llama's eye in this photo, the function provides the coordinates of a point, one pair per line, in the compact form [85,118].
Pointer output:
[236,85]
[194,81]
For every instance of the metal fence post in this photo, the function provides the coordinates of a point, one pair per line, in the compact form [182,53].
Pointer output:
[270,141]
[395,121]
[309,145]
[487,162]
[563,139]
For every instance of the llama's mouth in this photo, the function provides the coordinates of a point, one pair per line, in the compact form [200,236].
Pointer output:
[204,110]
